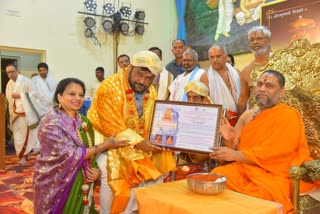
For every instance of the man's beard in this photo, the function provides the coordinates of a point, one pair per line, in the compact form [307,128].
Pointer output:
[268,102]
[134,88]
[189,69]
[261,51]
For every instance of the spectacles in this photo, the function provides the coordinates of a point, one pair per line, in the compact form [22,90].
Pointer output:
[10,72]
[258,39]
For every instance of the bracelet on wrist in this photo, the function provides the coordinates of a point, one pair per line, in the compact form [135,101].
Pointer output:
[112,141]
[97,151]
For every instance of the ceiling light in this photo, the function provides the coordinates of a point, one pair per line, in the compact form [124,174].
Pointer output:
[139,29]
[124,28]
[140,15]
[89,22]
[90,5]
[107,25]
[109,8]
[89,33]
[126,11]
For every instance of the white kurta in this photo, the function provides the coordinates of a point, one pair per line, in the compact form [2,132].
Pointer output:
[42,93]
[177,86]
[164,82]
[24,138]
[220,93]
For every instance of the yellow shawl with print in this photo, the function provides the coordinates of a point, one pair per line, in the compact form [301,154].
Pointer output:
[114,111]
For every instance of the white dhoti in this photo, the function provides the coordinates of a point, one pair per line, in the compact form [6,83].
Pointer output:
[25,139]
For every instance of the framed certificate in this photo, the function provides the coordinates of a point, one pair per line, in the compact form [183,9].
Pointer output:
[184,126]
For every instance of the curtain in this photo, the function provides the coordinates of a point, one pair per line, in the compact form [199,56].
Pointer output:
[181,11]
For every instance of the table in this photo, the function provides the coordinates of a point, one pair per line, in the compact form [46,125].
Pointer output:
[175,197]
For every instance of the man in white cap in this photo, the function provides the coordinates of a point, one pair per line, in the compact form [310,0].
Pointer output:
[197,92]
[123,107]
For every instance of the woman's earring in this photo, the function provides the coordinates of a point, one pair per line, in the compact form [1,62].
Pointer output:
[59,105]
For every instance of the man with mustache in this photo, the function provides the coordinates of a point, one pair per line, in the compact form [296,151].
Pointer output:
[123,61]
[192,72]
[259,42]
[223,81]
[123,107]
[263,145]
[175,66]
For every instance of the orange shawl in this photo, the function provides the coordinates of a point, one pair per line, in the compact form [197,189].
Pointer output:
[114,111]
[275,140]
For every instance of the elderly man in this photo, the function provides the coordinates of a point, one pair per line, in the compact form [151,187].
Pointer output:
[263,145]
[223,81]
[197,92]
[192,72]
[259,42]
[123,107]
[25,138]
[175,66]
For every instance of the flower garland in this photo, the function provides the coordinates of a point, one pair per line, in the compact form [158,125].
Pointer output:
[132,111]
[85,186]
[129,94]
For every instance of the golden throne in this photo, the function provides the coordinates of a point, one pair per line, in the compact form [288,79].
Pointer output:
[300,64]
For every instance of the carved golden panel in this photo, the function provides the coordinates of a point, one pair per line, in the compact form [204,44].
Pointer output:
[299,63]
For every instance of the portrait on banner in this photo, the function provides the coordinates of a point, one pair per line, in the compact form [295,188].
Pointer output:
[221,22]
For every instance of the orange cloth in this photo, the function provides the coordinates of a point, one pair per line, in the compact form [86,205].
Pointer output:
[114,111]
[175,197]
[275,140]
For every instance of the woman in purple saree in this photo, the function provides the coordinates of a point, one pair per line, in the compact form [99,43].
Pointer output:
[66,169]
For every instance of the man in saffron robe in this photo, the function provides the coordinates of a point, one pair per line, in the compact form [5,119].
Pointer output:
[123,106]
[263,145]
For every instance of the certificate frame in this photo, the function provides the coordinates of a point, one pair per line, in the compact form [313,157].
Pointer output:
[186,127]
